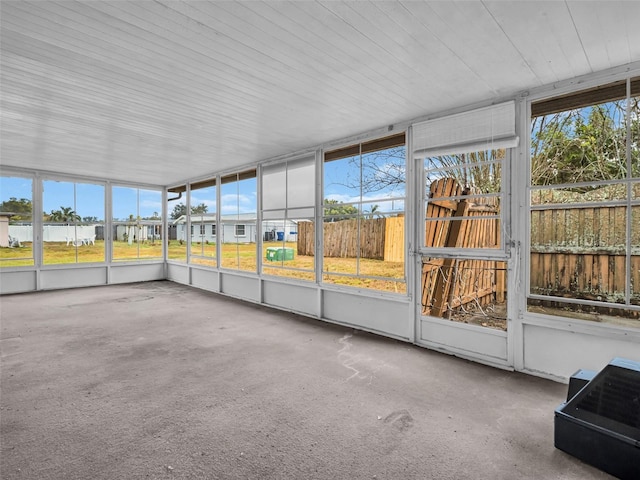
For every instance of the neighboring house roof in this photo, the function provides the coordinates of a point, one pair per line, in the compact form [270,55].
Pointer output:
[211,218]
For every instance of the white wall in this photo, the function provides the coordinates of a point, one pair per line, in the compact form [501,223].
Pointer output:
[53,233]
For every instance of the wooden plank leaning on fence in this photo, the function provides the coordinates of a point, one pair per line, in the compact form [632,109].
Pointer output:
[450,283]
[436,235]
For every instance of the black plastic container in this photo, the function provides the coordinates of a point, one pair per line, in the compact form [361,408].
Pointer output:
[578,381]
[600,424]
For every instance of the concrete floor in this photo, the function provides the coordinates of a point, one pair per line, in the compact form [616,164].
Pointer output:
[158,380]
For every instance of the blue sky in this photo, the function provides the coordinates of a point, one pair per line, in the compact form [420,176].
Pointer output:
[236,197]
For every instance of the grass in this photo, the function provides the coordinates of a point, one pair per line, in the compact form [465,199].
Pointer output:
[233,256]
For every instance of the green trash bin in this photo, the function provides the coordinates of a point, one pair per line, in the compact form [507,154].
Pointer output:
[279,254]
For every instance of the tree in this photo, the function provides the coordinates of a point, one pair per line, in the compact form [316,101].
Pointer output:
[181,209]
[376,171]
[199,209]
[581,145]
[178,211]
[480,172]
[90,220]
[155,216]
[373,212]
[64,215]
[334,211]
[22,207]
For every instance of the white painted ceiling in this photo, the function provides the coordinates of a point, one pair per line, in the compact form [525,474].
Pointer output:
[160,92]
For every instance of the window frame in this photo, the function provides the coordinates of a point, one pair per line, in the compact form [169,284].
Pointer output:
[503,250]
[76,241]
[598,93]
[349,150]
[138,222]
[36,224]
[285,209]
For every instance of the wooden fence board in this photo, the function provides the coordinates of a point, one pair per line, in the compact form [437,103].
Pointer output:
[585,257]
[394,239]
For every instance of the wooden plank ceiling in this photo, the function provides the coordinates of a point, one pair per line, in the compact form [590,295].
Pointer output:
[160,92]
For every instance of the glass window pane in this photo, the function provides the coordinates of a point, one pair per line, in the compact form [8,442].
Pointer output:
[456,220]
[74,231]
[288,248]
[239,207]
[363,213]
[476,172]
[634,118]
[635,257]
[177,221]
[383,208]
[147,233]
[584,212]
[60,230]
[16,216]
[203,222]
[342,180]
[90,207]
[125,213]
[579,145]
[384,173]
[136,221]
[471,291]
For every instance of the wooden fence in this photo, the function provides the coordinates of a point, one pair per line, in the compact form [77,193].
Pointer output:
[452,283]
[379,238]
[575,252]
[580,252]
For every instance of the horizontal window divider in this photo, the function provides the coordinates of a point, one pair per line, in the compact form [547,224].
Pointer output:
[366,201]
[290,209]
[19,268]
[569,186]
[606,330]
[496,254]
[583,301]
[341,216]
[365,277]
[74,265]
[135,261]
[619,250]
[236,271]
[277,265]
[382,199]
[455,219]
[365,292]
[578,206]
[459,325]
[472,196]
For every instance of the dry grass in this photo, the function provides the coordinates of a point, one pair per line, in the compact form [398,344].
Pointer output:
[233,256]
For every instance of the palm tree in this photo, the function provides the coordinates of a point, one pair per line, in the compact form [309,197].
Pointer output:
[373,212]
[64,215]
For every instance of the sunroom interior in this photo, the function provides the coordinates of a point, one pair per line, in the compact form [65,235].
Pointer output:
[463,176]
